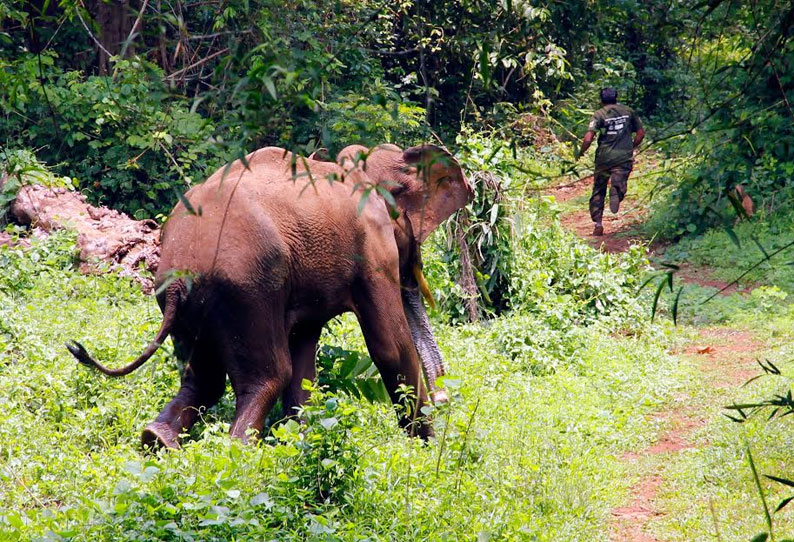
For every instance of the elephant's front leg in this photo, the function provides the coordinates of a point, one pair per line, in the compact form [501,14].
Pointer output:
[380,313]
[203,384]
[303,351]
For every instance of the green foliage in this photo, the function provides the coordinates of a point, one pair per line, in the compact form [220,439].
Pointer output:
[350,372]
[727,260]
[326,468]
[538,267]
[564,278]
[72,466]
[126,141]
[741,133]
[354,118]
[22,266]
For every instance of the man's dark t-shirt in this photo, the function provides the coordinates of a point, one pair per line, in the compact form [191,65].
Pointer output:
[614,123]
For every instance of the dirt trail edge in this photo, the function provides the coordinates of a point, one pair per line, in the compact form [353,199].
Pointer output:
[726,357]
[617,227]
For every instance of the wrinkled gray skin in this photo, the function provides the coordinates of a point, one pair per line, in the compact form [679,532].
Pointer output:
[426,345]
[425,341]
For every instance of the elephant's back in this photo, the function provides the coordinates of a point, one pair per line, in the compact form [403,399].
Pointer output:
[225,235]
[263,227]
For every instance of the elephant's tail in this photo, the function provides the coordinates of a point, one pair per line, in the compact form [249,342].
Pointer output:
[173,298]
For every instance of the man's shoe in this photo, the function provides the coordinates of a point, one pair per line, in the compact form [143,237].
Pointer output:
[614,200]
[598,230]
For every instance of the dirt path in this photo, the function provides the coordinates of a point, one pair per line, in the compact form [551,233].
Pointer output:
[619,229]
[725,356]
[727,359]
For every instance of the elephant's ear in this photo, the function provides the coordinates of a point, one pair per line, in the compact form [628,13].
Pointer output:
[432,187]
[352,157]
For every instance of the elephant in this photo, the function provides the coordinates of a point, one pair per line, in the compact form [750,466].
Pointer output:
[259,257]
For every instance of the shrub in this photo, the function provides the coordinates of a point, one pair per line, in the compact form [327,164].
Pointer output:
[124,137]
[23,266]
[545,270]
[560,276]
[357,118]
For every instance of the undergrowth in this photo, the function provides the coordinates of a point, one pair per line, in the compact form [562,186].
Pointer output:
[525,450]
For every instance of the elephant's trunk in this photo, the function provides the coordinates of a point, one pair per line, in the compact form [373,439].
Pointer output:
[426,346]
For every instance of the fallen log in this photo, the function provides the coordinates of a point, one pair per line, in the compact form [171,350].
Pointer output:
[131,247]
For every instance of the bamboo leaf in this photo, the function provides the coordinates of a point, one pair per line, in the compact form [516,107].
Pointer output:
[782,505]
[737,206]
[647,282]
[675,305]
[485,63]
[363,201]
[779,480]
[760,247]
[271,87]
[656,298]
[181,197]
[732,235]
[767,515]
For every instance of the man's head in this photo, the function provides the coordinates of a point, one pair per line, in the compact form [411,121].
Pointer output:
[609,96]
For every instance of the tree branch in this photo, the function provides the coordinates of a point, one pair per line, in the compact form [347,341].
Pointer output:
[198,63]
[134,29]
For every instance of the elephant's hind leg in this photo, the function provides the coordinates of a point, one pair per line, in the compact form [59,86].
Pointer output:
[203,384]
[259,369]
[303,340]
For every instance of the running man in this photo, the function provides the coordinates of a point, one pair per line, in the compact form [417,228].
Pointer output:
[615,153]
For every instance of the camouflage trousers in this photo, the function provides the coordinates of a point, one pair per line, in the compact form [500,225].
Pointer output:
[618,176]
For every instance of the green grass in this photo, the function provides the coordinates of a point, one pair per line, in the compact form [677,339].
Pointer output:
[756,238]
[517,457]
[715,472]
[546,402]
[709,487]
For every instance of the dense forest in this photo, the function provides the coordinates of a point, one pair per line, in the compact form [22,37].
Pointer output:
[632,387]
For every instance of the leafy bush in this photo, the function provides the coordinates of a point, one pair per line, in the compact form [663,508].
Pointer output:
[545,270]
[354,118]
[127,141]
[560,276]
[351,372]
[22,265]
[325,455]
[501,174]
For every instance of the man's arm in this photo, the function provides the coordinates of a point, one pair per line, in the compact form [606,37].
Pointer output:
[638,138]
[588,139]
[636,126]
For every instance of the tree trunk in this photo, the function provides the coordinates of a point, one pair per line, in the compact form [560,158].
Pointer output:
[467,281]
[115,20]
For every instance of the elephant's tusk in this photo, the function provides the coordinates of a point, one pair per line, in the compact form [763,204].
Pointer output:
[423,286]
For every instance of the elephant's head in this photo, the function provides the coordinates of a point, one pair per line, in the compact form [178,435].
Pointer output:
[428,186]
[426,181]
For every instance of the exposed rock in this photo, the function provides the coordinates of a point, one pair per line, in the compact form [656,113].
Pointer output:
[104,235]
